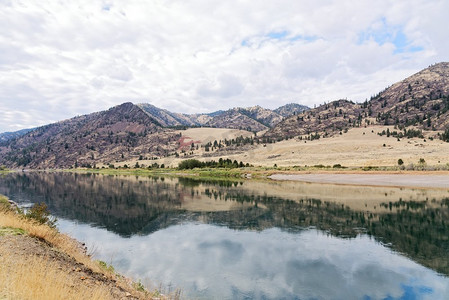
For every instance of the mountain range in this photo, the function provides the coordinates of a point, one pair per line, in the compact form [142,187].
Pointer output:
[121,133]
[254,118]
[128,131]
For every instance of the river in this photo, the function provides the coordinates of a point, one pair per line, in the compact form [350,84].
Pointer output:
[219,239]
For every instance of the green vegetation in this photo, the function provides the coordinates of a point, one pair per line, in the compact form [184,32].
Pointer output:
[222,163]
[4,203]
[11,231]
[105,266]
[40,213]
[238,141]
[410,133]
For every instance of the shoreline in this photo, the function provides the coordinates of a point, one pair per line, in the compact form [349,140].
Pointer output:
[414,179]
[39,262]
[347,176]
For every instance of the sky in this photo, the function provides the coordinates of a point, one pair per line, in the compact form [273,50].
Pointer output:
[60,59]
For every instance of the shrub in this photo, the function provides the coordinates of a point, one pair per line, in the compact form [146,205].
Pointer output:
[190,164]
[445,136]
[40,213]
[400,162]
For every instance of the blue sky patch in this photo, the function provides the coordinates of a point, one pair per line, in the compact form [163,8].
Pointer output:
[389,34]
[279,36]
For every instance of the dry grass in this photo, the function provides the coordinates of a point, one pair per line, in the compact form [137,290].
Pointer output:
[43,232]
[35,277]
[38,278]
[45,264]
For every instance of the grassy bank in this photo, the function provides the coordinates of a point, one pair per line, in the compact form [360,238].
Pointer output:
[38,262]
[264,172]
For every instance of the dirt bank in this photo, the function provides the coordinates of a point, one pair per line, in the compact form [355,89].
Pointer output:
[37,262]
[396,180]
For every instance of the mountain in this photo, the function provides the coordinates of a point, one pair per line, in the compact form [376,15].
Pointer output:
[235,119]
[290,109]
[120,133]
[253,118]
[169,119]
[265,116]
[421,100]
[126,132]
[11,135]
[332,117]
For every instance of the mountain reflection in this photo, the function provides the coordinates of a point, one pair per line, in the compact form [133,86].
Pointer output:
[413,222]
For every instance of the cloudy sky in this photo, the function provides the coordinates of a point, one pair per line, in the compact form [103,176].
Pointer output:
[59,59]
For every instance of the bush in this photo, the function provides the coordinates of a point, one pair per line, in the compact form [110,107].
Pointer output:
[445,136]
[40,213]
[400,162]
[190,164]
[4,203]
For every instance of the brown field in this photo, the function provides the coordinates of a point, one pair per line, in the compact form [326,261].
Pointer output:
[359,147]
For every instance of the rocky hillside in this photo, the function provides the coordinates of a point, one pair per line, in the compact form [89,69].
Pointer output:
[120,133]
[325,119]
[12,135]
[170,119]
[235,119]
[290,109]
[421,100]
[253,118]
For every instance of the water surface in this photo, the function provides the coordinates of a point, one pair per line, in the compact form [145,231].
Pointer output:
[254,240]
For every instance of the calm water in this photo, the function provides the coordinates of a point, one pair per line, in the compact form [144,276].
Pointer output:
[254,240]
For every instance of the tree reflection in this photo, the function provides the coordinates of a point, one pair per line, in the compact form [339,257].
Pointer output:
[142,205]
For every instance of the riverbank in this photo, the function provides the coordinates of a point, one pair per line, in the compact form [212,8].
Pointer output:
[38,262]
[389,177]
[413,180]
[420,177]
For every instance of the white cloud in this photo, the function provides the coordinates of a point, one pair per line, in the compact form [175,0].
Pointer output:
[270,264]
[62,58]
[224,87]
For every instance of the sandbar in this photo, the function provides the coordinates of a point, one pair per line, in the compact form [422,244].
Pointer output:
[396,180]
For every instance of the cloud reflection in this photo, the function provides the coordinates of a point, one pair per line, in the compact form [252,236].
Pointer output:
[208,261]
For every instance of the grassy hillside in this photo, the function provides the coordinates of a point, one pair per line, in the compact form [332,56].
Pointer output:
[38,262]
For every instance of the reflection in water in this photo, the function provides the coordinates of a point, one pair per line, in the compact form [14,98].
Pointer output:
[263,246]
[206,261]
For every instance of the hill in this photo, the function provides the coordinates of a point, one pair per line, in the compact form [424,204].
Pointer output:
[253,118]
[421,100]
[170,119]
[416,107]
[290,109]
[117,134]
[5,136]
